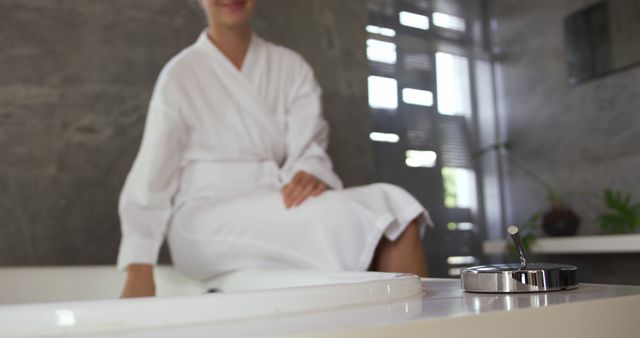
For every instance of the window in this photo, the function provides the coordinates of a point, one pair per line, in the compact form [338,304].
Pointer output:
[381,31]
[454,272]
[421,55]
[452,78]
[420,158]
[459,187]
[381,51]
[414,20]
[464,226]
[449,21]
[383,92]
[417,97]
[384,137]
[461,260]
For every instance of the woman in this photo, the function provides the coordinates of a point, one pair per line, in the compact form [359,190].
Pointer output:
[233,170]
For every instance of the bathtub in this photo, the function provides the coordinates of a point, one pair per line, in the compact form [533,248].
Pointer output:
[83,301]
[80,302]
[82,283]
[21,285]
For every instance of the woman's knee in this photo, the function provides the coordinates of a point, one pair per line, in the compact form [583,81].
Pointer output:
[411,235]
[333,201]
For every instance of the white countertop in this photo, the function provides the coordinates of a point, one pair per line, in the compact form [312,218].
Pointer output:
[599,244]
[442,310]
[591,311]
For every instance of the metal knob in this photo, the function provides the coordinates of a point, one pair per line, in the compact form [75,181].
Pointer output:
[517,240]
[523,277]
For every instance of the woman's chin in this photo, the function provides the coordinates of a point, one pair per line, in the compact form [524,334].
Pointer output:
[236,21]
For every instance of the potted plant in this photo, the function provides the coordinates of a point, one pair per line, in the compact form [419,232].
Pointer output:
[622,215]
[558,219]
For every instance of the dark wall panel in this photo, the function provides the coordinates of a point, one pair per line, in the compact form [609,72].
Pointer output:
[75,80]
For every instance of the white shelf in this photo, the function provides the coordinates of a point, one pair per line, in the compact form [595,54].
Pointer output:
[574,245]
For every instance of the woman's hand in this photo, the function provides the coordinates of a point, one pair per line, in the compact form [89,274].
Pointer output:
[302,186]
[139,281]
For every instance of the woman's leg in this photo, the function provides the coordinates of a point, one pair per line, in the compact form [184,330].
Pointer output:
[405,254]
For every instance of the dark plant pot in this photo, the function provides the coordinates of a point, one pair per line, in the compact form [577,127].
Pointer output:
[560,221]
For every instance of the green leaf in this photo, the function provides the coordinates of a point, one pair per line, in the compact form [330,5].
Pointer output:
[622,216]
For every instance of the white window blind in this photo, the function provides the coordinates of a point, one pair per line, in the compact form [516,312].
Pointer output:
[381,30]
[449,21]
[381,51]
[425,138]
[383,92]
[414,20]
[417,97]
[452,77]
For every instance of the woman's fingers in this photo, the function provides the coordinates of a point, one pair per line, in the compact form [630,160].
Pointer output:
[287,194]
[305,192]
[319,190]
[302,186]
[299,177]
[297,192]
[289,190]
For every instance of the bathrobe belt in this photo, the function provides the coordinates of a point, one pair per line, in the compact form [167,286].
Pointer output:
[225,178]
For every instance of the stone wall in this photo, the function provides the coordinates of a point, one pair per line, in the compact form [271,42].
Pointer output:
[330,35]
[75,80]
[579,139]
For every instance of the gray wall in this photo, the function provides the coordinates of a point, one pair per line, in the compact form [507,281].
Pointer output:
[330,35]
[579,139]
[75,80]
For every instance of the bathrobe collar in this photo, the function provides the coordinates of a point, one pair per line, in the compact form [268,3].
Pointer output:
[239,81]
[205,43]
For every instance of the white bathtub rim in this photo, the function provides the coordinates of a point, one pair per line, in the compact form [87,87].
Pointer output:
[86,317]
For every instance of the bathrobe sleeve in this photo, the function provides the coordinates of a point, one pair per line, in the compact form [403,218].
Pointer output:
[146,199]
[307,130]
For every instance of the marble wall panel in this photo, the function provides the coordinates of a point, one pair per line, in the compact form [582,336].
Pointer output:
[579,139]
[75,80]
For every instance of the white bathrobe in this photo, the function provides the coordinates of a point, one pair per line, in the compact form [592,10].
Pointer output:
[219,144]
